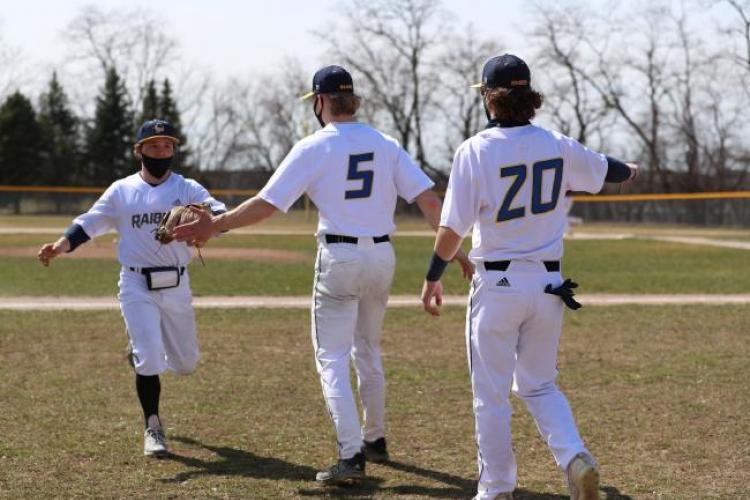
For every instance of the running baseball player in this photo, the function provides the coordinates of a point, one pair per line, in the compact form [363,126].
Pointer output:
[508,182]
[353,174]
[155,297]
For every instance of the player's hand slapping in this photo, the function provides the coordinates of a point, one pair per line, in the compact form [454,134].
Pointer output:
[197,232]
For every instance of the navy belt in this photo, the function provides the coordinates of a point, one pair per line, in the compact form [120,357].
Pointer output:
[145,270]
[552,266]
[337,238]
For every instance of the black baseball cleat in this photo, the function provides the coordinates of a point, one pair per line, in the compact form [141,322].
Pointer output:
[346,471]
[376,451]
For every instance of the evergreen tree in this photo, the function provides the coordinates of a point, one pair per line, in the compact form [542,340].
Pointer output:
[60,158]
[168,111]
[151,105]
[20,137]
[109,139]
[168,108]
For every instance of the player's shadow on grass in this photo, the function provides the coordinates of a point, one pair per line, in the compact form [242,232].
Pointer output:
[236,462]
[456,487]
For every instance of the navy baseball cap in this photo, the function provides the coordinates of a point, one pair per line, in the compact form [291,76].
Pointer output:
[506,71]
[156,129]
[331,80]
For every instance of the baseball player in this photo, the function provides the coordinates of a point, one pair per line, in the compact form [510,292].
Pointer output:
[155,297]
[508,182]
[354,174]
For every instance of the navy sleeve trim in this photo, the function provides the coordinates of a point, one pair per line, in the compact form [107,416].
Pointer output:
[76,236]
[617,171]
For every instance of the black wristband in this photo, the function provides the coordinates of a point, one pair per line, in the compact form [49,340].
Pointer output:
[76,236]
[617,171]
[437,268]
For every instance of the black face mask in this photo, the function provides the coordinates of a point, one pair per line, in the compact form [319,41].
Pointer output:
[157,166]
[318,115]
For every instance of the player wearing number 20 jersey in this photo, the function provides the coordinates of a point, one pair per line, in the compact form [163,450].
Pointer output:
[508,182]
[512,180]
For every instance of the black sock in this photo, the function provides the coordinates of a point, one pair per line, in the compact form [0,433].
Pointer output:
[149,388]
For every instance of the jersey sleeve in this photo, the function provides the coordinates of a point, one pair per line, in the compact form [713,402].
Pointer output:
[586,168]
[291,179]
[411,181]
[462,199]
[102,216]
[199,194]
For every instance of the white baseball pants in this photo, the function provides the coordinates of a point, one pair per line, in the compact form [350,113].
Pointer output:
[160,324]
[350,294]
[512,334]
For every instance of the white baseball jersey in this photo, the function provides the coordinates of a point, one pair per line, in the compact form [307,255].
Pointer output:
[134,208]
[353,173]
[511,181]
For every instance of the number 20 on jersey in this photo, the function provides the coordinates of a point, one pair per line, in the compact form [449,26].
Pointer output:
[519,173]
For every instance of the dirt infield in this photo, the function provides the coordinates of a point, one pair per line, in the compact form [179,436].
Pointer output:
[99,250]
[303,302]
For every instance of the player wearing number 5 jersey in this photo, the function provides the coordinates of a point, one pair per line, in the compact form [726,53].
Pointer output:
[508,183]
[354,175]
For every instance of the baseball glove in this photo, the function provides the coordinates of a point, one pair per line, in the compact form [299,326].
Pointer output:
[175,217]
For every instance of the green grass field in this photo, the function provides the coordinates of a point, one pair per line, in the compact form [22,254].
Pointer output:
[600,266]
[659,393]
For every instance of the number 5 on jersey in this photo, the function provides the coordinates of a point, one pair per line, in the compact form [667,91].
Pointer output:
[355,174]
[519,173]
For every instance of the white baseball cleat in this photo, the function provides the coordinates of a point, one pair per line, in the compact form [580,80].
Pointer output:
[154,444]
[500,496]
[583,478]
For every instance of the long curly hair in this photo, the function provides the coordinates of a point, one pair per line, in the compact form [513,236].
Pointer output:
[513,105]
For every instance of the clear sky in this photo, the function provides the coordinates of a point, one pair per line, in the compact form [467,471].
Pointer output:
[237,37]
[231,37]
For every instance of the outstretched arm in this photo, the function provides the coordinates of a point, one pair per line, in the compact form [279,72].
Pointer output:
[618,171]
[73,237]
[250,212]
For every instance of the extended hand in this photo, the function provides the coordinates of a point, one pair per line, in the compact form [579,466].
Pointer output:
[432,289]
[48,252]
[199,231]
[633,173]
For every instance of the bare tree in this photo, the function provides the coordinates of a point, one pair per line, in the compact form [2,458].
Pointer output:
[388,44]
[13,74]
[459,106]
[253,124]
[134,42]
[563,35]
[740,31]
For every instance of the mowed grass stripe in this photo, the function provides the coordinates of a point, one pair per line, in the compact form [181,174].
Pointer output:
[599,266]
[659,394]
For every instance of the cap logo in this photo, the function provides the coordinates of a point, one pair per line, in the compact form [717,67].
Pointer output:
[516,83]
[158,128]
